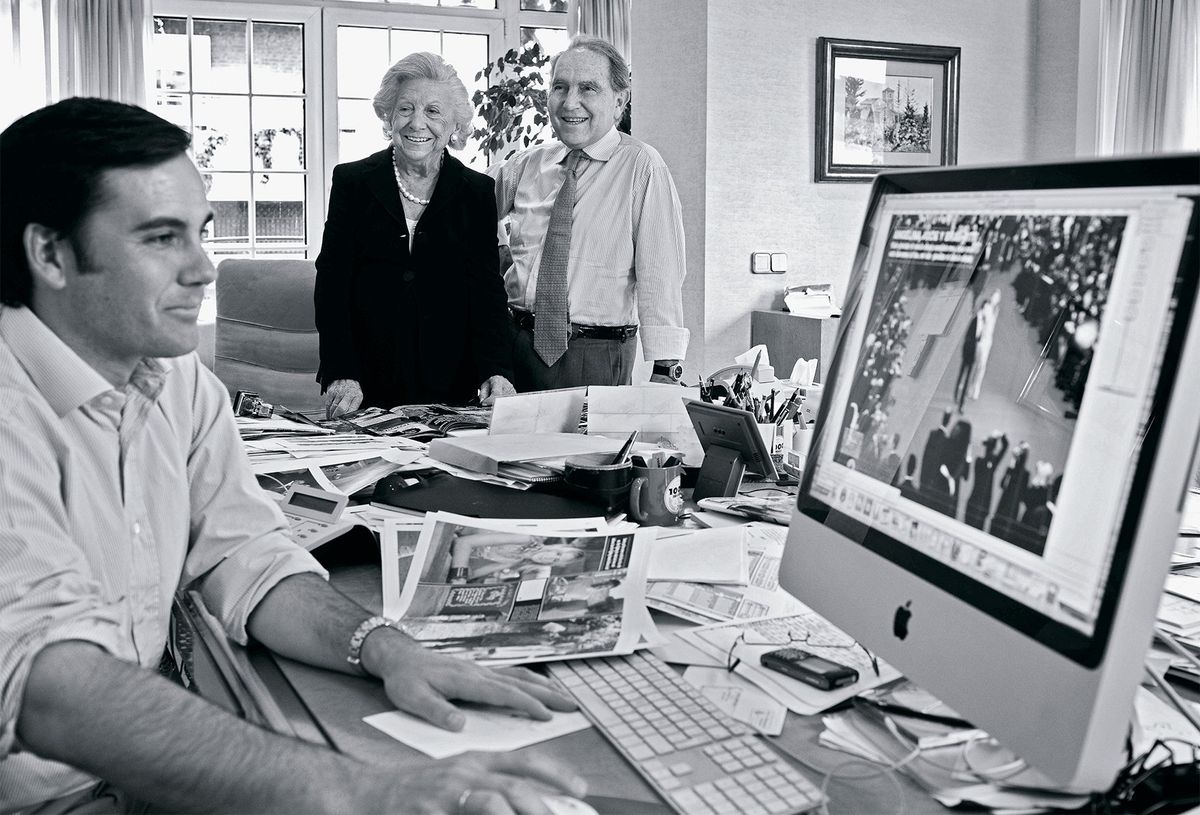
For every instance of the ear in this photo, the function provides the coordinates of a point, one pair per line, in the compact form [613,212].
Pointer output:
[622,103]
[48,255]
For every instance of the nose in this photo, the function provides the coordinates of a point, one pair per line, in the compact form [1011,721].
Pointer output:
[200,271]
[571,98]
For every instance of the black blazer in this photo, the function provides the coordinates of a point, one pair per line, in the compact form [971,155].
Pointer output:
[426,326]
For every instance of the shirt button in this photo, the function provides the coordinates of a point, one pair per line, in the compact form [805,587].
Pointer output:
[137,528]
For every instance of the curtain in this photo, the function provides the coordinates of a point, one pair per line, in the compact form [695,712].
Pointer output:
[1149,77]
[103,48]
[607,19]
[23,59]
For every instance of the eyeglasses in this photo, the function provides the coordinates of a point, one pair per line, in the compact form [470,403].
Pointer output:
[794,639]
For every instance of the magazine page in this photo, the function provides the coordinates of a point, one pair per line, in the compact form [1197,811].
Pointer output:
[706,602]
[401,534]
[503,594]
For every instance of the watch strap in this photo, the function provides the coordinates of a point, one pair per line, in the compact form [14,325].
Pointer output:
[354,657]
[674,372]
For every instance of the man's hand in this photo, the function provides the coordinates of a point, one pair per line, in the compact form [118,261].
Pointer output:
[342,396]
[494,388]
[479,783]
[663,378]
[422,682]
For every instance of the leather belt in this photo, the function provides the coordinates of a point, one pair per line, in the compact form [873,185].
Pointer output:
[524,321]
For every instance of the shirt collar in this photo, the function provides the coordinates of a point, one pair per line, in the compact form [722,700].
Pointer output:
[58,373]
[601,150]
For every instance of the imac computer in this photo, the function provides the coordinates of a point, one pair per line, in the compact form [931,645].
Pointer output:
[993,490]
[732,445]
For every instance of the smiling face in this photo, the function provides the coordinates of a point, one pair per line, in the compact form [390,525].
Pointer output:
[423,121]
[583,104]
[135,271]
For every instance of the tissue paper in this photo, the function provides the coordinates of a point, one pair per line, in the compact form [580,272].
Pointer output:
[804,372]
[764,372]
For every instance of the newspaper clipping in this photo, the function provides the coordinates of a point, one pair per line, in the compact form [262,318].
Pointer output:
[503,593]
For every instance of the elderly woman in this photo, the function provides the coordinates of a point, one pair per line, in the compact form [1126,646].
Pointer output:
[410,304]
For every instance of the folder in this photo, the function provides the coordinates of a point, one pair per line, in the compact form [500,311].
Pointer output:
[495,454]
[442,491]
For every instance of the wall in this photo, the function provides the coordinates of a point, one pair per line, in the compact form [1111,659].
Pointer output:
[670,103]
[1017,92]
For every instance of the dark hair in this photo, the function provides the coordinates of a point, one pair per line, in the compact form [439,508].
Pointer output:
[51,162]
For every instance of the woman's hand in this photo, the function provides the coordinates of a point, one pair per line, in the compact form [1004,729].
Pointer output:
[493,388]
[342,396]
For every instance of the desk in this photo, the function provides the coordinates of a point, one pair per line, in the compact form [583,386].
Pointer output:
[337,704]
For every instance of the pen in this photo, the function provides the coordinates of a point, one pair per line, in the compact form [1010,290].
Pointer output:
[900,710]
[619,458]
[783,409]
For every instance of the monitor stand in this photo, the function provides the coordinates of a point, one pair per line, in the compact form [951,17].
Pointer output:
[720,475]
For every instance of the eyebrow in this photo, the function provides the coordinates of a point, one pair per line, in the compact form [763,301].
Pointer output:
[166,221]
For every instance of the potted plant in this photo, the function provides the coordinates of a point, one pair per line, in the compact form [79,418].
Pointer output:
[513,107]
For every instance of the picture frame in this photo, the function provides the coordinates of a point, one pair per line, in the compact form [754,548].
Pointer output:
[884,105]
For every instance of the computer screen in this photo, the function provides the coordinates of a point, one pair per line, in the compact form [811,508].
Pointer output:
[992,493]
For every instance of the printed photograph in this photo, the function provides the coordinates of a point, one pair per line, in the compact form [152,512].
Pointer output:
[971,375]
[893,117]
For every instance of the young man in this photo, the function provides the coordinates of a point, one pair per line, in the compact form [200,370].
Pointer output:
[122,479]
[623,245]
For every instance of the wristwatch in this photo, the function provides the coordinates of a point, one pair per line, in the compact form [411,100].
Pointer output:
[673,370]
[354,657]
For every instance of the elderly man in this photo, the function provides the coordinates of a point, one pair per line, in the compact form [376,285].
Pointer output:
[122,479]
[596,235]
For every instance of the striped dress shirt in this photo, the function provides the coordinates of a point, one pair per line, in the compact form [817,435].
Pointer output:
[627,259]
[111,499]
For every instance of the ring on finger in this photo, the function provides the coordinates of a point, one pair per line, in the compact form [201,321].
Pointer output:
[462,801]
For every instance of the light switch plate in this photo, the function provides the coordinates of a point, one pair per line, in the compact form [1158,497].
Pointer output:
[760,263]
[779,262]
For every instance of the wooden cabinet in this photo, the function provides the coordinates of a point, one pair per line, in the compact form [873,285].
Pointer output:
[789,337]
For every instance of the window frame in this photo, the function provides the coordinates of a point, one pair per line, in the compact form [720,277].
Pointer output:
[320,19]
[314,165]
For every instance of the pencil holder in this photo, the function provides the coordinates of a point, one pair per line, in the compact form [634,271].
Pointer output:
[593,478]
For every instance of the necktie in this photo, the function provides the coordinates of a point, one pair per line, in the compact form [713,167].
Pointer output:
[550,327]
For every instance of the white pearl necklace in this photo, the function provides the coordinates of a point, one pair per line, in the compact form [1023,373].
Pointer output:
[421,202]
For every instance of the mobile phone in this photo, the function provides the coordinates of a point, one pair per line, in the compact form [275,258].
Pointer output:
[809,668]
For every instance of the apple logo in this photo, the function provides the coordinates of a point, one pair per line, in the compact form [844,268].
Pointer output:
[900,621]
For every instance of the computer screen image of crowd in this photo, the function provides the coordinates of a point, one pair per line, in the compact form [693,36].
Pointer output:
[973,368]
[1003,441]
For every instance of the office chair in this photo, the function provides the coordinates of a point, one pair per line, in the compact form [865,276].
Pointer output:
[266,333]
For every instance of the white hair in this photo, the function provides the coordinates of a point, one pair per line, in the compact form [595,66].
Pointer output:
[424,65]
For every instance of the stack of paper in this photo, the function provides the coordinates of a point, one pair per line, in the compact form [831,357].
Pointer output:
[505,592]
[706,602]
[511,454]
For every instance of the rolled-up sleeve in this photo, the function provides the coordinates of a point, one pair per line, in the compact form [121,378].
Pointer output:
[48,593]
[240,544]
[659,261]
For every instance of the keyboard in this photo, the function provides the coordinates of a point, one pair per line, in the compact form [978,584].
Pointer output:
[698,759]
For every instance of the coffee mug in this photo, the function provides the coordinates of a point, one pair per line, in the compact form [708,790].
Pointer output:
[655,496]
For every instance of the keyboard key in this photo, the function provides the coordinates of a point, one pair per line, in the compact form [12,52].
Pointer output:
[693,754]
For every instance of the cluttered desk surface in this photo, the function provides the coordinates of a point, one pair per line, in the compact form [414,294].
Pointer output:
[710,610]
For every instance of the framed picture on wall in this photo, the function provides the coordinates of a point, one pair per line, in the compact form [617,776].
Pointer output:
[884,105]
